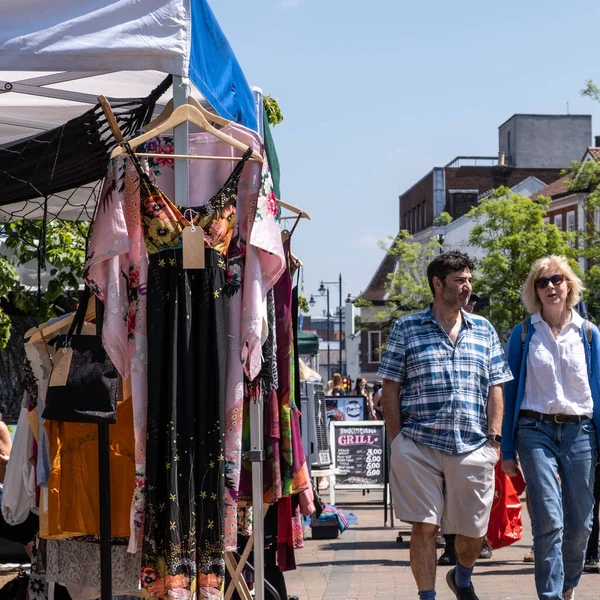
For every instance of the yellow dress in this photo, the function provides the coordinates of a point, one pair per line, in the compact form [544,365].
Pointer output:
[73,495]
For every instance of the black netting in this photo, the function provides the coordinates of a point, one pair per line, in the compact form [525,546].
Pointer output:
[12,372]
[56,176]
[58,163]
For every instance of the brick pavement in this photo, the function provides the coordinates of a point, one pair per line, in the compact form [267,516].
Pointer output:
[366,563]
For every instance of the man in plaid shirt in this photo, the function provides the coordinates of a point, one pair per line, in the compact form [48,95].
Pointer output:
[443,371]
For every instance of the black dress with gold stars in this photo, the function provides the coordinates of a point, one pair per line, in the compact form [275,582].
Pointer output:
[183,551]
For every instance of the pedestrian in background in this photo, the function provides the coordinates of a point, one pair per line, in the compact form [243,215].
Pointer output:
[361,388]
[473,300]
[443,371]
[591,554]
[377,400]
[338,385]
[551,421]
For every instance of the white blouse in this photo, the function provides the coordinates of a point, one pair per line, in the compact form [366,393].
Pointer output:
[557,377]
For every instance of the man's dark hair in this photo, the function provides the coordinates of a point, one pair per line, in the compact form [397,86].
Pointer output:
[446,263]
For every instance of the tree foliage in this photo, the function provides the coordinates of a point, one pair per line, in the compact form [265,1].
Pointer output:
[510,229]
[591,90]
[65,255]
[272,110]
[407,286]
[586,178]
[303,303]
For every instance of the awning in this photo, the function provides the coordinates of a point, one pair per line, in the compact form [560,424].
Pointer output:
[83,39]
[57,57]
[308,344]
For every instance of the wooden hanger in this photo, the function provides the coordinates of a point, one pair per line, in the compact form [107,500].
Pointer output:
[110,117]
[302,214]
[180,115]
[168,111]
[46,330]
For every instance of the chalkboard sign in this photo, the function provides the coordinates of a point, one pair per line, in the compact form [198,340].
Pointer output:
[358,449]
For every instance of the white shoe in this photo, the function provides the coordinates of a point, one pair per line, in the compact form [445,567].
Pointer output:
[569,594]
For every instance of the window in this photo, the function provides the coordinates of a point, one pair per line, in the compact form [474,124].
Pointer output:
[374,346]
[461,201]
[546,220]
[558,221]
[571,226]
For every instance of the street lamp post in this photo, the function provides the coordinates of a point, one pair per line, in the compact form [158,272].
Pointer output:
[312,302]
[328,341]
[324,288]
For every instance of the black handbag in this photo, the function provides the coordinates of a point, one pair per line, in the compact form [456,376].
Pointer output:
[91,390]
[16,589]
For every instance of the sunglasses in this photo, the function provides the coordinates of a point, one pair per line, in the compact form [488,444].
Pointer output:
[543,282]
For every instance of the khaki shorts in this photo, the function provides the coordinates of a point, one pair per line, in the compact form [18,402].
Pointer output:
[454,491]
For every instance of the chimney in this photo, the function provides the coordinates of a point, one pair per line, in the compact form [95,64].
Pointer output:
[597,141]
[502,159]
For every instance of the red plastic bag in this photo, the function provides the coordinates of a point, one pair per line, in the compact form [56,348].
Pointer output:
[506,525]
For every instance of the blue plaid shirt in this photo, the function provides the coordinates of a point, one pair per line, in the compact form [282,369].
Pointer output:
[444,386]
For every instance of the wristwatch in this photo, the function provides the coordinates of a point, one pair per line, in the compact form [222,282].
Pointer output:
[494,438]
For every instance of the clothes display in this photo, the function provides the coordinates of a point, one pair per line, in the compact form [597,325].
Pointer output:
[73,485]
[198,318]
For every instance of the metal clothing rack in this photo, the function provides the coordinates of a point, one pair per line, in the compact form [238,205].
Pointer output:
[235,564]
[256,454]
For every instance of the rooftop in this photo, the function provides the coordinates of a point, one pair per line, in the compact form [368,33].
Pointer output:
[527,115]
[377,289]
[472,161]
[555,189]
[595,152]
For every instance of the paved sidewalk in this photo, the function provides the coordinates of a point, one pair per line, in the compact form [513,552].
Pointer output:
[366,563]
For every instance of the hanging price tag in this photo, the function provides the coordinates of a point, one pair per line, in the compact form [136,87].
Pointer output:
[193,248]
[60,367]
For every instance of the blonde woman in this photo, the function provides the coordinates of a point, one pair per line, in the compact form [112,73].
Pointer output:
[338,385]
[551,421]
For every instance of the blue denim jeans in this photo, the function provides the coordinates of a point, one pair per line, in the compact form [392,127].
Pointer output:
[561,509]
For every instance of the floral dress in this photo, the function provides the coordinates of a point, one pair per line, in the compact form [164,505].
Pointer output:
[116,270]
[253,255]
[183,549]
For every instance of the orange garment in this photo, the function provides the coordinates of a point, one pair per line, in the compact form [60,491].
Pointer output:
[73,501]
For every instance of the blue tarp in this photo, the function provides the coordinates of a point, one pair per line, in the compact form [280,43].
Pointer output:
[215,71]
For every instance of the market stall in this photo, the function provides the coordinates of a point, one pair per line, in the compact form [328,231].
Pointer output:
[194,307]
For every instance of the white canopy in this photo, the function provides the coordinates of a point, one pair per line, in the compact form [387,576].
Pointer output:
[57,57]
[71,35]
[38,101]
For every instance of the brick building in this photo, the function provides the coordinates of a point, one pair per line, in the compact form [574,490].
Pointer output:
[568,209]
[457,186]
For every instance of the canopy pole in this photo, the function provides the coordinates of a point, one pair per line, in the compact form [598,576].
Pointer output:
[181,91]
[256,457]
[257,449]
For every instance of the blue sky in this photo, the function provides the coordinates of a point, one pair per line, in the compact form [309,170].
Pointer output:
[374,94]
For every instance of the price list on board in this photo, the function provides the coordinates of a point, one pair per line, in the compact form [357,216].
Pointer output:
[359,455]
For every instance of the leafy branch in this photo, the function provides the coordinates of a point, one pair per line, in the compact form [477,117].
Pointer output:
[65,245]
[272,110]
[591,90]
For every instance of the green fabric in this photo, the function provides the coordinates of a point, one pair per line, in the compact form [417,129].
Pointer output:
[273,160]
[308,344]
